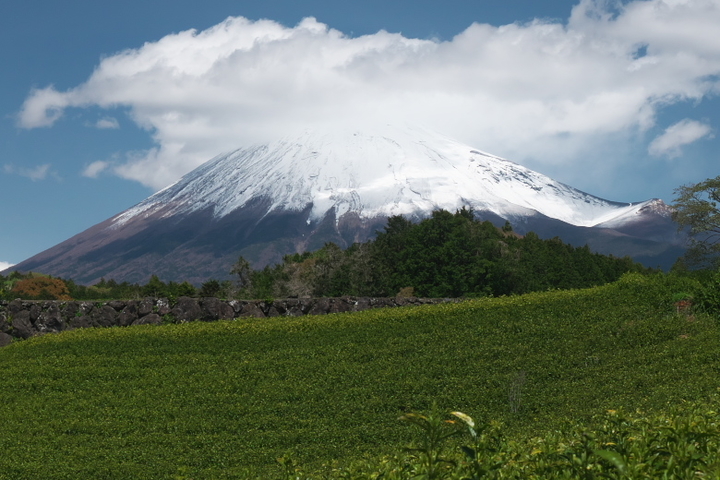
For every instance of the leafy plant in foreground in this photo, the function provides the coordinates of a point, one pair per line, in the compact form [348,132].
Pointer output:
[680,444]
[431,463]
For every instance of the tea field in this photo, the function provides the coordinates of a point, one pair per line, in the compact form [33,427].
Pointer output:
[324,394]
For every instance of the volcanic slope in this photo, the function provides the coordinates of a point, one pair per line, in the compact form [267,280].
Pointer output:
[303,190]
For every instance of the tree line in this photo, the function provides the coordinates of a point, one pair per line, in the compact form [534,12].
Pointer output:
[37,286]
[454,255]
[446,255]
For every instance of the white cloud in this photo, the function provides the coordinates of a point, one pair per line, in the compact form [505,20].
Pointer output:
[545,90]
[95,169]
[37,173]
[5,265]
[45,108]
[682,133]
[107,123]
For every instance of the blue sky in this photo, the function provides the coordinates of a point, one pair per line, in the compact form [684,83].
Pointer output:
[103,103]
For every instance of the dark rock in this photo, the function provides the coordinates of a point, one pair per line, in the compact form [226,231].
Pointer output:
[15,306]
[236,306]
[21,324]
[215,309]
[81,321]
[146,307]
[51,320]
[131,307]
[339,305]
[126,318]
[403,301]
[187,310]
[23,319]
[361,304]
[5,325]
[279,307]
[294,308]
[69,309]
[117,305]
[104,316]
[35,311]
[294,312]
[264,306]
[5,339]
[381,302]
[321,307]
[162,306]
[251,310]
[86,307]
[149,319]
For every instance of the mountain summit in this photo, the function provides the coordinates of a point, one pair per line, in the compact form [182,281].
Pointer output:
[392,171]
[300,191]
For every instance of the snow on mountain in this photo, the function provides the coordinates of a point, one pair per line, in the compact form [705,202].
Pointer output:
[637,212]
[376,172]
[297,193]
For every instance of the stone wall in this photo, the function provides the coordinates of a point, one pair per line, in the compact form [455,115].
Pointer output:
[21,319]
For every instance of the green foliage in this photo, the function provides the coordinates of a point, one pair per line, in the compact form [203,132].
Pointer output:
[214,288]
[329,272]
[708,296]
[683,443]
[154,288]
[696,208]
[429,451]
[110,289]
[453,255]
[226,399]
[211,288]
[242,269]
[103,290]
[33,286]
[447,255]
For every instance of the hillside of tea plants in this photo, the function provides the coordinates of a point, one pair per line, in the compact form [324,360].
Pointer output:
[615,381]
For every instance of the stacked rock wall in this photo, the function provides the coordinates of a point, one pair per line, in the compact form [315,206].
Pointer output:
[21,319]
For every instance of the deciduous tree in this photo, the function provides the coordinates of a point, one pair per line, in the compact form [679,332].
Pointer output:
[696,209]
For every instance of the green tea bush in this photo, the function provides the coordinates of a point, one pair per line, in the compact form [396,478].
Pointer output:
[683,443]
[227,399]
[708,296]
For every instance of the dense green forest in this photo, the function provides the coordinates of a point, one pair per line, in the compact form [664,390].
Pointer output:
[446,255]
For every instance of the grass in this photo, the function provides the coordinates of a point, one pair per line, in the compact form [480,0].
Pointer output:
[226,399]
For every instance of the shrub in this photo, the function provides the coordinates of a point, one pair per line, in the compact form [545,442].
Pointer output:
[708,299]
[42,288]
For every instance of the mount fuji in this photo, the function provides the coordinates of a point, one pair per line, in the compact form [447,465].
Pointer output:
[300,191]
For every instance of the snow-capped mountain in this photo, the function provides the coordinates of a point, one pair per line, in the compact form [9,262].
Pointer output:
[381,172]
[341,185]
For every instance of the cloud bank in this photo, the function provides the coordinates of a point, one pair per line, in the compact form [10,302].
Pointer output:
[95,168]
[37,173]
[682,133]
[541,89]
[5,265]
